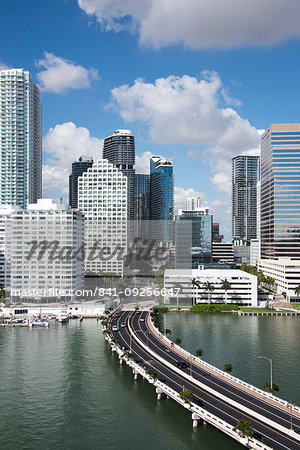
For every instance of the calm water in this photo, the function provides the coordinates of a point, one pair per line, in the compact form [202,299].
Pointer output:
[63,389]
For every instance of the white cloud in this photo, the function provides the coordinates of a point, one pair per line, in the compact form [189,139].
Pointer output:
[60,74]
[142,162]
[200,23]
[3,66]
[64,144]
[189,111]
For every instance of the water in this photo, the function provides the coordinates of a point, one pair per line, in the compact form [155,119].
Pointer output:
[63,389]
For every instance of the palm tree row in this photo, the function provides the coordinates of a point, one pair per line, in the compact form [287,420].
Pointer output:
[209,288]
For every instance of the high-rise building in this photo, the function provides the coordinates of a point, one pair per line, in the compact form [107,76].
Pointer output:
[245,175]
[162,196]
[280,192]
[193,237]
[119,150]
[40,242]
[21,138]
[216,236]
[102,198]
[192,204]
[78,168]
[142,196]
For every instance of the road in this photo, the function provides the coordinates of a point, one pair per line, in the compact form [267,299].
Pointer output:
[266,433]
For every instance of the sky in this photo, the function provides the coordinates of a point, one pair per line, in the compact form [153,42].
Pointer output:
[195,80]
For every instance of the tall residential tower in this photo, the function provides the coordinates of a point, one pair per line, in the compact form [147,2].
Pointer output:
[21,139]
[78,168]
[245,175]
[119,150]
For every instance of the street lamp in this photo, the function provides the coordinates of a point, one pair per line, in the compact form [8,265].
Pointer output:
[271,368]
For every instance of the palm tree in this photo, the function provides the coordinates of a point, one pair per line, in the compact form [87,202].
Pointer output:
[208,287]
[199,352]
[194,284]
[177,341]
[297,290]
[228,368]
[168,331]
[225,285]
[244,428]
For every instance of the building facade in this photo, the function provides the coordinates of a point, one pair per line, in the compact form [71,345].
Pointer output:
[38,245]
[243,288]
[78,168]
[119,150]
[216,236]
[142,196]
[193,238]
[222,252]
[286,273]
[102,198]
[245,175]
[162,196]
[21,139]
[280,192]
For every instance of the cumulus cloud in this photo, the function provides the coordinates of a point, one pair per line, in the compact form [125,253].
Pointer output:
[189,111]
[142,162]
[200,23]
[60,74]
[64,144]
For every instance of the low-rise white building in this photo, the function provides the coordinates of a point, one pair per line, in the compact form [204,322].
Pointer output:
[243,288]
[285,271]
[44,253]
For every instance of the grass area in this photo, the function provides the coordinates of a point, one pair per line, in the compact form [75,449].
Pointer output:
[214,307]
[296,305]
[253,309]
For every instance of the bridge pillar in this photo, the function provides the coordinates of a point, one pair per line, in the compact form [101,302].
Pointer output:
[159,392]
[121,360]
[195,419]
[135,375]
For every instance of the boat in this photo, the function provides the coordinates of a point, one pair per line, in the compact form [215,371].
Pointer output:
[39,323]
[63,317]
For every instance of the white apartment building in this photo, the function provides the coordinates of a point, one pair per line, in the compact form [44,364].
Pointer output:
[5,212]
[243,286]
[20,138]
[42,250]
[254,251]
[102,198]
[285,271]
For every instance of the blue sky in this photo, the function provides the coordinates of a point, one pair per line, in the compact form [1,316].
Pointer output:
[210,74]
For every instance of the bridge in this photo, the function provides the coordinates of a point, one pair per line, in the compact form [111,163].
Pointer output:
[220,399]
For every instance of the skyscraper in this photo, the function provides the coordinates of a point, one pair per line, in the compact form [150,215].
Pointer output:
[142,196]
[21,139]
[280,191]
[119,149]
[162,195]
[102,198]
[245,175]
[78,168]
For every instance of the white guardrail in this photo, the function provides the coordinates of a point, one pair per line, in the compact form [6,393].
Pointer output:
[225,427]
[230,377]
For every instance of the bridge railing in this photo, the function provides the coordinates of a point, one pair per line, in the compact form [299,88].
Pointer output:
[190,356]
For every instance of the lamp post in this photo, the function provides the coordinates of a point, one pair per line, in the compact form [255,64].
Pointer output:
[271,368]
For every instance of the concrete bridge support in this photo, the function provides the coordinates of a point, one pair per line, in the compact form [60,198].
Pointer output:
[159,393]
[195,419]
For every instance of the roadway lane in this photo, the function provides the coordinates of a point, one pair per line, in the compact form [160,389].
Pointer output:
[178,381]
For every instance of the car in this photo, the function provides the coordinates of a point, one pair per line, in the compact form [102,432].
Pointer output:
[142,320]
[117,315]
[181,364]
[122,325]
[115,328]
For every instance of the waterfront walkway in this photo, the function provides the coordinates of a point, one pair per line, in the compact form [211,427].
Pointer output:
[219,399]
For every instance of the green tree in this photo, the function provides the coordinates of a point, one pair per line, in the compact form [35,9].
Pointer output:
[297,290]
[116,341]
[244,428]
[168,331]
[194,284]
[199,352]
[187,396]
[177,341]
[225,285]
[228,368]
[152,373]
[209,288]
[267,386]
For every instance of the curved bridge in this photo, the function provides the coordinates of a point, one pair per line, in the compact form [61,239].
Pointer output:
[219,399]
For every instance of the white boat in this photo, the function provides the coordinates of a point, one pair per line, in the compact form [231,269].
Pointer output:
[63,317]
[39,323]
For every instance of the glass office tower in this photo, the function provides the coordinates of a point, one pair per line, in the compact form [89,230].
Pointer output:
[280,191]
[245,175]
[78,168]
[21,139]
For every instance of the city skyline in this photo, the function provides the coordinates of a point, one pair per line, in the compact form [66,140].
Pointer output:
[98,69]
